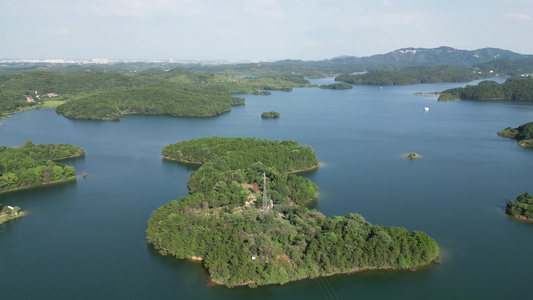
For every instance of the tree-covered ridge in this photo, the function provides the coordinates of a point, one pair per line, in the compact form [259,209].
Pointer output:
[32,165]
[108,96]
[270,114]
[523,134]
[432,57]
[411,75]
[513,89]
[66,84]
[337,86]
[112,105]
[285,156]
[223,222]
[522,208]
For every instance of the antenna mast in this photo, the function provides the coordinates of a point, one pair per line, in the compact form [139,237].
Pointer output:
[265,199]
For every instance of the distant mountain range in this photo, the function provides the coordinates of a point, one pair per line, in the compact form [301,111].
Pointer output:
[431,57]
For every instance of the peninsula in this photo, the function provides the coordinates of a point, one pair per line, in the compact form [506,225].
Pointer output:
[8,213]
[513,89]
[522,208]
[33,165]
[245,219]
[523,134]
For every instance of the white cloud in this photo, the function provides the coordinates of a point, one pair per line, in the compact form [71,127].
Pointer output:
[517,16]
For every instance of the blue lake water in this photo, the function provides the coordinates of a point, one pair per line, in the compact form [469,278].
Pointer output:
[86,240]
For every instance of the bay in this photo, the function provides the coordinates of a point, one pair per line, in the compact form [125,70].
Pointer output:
[86,239]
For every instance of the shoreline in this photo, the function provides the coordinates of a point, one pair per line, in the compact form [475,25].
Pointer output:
[521,218]
[195,258]
[68,157]
[357,270]
[183,161]
[303,170]
[37,186]
[20,214]
[201,163]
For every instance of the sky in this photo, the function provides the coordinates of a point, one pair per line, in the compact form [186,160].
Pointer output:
[250,30]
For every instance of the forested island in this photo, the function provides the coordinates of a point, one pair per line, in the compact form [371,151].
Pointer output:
[109,96]
[513,89]
[245,239]
[523,134]
[270,114]
[337,86]
[412,75]
[522,208]
[33,165]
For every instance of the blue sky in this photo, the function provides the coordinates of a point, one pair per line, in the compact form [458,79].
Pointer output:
[256,29]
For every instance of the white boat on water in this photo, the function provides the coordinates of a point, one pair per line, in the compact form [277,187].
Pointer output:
[426,108]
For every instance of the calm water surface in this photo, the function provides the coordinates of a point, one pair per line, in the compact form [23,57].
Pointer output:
[86,240]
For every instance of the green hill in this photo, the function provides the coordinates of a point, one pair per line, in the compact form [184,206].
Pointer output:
[242,241]
[108,96]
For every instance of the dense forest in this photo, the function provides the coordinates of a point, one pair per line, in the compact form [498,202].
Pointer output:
[33,165]
[522,208]
[108,96]
[285,156]
[270,114]
[523,134]
[337,86]
[411,75]
[242,242]
[112,105]
[513,89]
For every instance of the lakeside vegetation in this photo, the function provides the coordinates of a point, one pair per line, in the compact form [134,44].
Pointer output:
[513,89]
[337,86]
[8,213]
[33,165]
[223,222]
[522,208]
[11,103]
[270,114]
[412,75]
[523,134]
